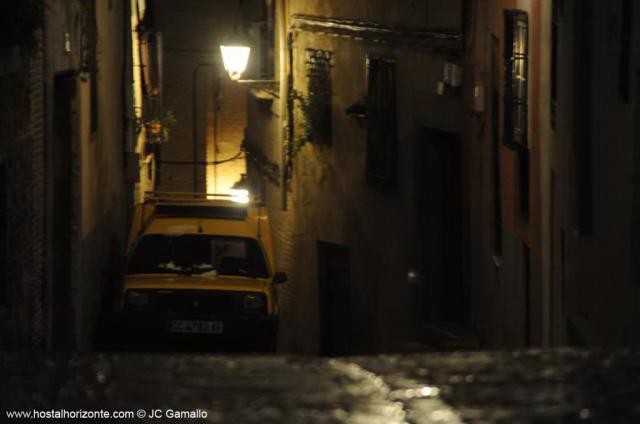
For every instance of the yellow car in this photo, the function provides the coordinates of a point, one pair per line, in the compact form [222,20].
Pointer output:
[200,267]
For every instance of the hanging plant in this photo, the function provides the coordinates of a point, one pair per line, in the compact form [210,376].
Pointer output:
[315,123]
[157,126]
[304,130]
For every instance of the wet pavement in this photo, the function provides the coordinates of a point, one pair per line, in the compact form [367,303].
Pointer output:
[529,386]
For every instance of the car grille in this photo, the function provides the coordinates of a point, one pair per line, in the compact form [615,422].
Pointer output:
[196,302]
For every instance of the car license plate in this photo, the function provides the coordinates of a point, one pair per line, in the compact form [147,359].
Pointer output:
[197,327]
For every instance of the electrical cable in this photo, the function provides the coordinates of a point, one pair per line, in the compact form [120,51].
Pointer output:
[217,162]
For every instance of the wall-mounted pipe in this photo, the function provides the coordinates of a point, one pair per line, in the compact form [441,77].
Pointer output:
[284,95]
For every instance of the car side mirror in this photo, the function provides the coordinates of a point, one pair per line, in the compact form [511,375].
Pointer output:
[279,278]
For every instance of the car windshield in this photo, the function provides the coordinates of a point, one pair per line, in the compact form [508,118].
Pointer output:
[197,254]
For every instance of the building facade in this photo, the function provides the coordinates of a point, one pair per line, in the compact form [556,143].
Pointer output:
[595,101]
[480,193]
[366,117]
[66,189]
[551,147]
[22,182]
[506,146]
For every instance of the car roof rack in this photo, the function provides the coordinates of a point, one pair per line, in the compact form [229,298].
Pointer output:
[196,205]
[200,199]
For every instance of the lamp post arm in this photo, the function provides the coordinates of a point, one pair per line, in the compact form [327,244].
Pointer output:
[252,81]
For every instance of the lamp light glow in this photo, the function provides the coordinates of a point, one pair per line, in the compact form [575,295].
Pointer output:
[240,190]
[239,196]
[235,58]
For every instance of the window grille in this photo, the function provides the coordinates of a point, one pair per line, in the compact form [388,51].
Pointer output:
[516,55]
[555,30]
[319,104]
[381,121]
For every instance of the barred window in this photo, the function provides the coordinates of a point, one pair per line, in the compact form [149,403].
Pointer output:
[319,89]
[516,56]
[381,121]
[555,33]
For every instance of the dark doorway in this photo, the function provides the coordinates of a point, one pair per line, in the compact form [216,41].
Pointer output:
[441,232]
[636,187]
[4,242]
[335,298]
[526,277]
[64,93]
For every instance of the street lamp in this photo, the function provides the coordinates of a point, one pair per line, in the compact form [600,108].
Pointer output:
[235,55]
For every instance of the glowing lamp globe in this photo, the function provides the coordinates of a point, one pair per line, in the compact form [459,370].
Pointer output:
[235,57]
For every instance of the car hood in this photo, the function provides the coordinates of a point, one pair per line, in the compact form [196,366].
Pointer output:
[194,282]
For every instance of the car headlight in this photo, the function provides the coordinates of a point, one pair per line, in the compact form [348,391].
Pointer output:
[253,302]
[137,298]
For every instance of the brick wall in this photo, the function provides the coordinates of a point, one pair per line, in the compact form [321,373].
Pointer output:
[192,34]
[22,149]
[263,176]
[224,142]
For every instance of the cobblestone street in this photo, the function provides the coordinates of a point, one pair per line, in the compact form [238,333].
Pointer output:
[528,386]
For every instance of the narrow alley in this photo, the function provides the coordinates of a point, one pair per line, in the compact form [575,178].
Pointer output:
[321,210]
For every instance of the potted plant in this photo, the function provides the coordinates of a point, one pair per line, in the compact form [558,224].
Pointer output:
[158,124]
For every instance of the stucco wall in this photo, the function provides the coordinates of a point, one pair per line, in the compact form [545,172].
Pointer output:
[594,277]
[508,295]
[100,196]
[329,199]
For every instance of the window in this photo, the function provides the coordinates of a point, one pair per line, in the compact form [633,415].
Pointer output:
[625,50]
[555,29]
[318,108]
[381,121]
[516,56]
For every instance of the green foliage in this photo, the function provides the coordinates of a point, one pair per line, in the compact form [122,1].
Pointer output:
[158,125]
[315,114]
[304,131]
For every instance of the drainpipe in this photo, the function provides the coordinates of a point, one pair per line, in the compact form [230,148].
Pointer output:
[283,101]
